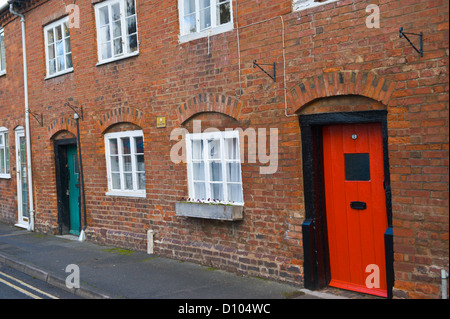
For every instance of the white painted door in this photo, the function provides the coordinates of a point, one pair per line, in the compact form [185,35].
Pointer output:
[22,182]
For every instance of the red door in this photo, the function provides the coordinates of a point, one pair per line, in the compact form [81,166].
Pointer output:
[355,206]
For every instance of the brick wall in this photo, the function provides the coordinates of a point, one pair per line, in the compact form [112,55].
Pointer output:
[328,51]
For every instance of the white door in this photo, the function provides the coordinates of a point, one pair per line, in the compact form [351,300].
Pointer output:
[22,182]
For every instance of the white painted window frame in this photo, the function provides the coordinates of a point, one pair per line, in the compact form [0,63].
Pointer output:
[4,147]
[135,192]
[222,135]
[299,6]
[2,51]
[124,54]
[53,25]
[213,30]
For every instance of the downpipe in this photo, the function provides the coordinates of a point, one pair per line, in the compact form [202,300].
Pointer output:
[27,118]
[444,277]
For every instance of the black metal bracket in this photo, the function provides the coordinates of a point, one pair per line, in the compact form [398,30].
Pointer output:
[255,64]
[403,34]
[38,117]
[75,109]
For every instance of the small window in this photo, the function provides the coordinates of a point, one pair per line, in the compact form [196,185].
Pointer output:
[200,18]
[214,167]
[4,153]
[125,163]
[2,53]
[58,51]
[298,5]
[117,35]
[357,167]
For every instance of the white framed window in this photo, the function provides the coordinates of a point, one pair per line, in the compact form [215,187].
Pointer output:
[125,163]
[4,153]
[58,51]
[200,18]
[214,167]
[298,5]
[2,53]
[117,33]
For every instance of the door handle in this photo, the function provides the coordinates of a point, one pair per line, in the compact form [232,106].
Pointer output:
[358,205]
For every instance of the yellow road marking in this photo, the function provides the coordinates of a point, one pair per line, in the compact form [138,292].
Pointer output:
[26,285]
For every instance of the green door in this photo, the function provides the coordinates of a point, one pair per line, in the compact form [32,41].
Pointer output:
[74,190]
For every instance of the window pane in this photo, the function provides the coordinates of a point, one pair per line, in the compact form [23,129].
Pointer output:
[189,24]
[118,46]
[127,163]
[200,191]
[68,47]
[7,152]
[214,149]
[234,193]
[126,145]
[116,11]
[231,146]
[131,25]
[113,146]
[106,50]
[141,180]
[197,149]
[69,61]
[217,192]
[50,37]
[140,163]
[58,33]
[357,167]
[103,16]
[114,163]
[104,34]
[115,180]
[51,51]
[204,4]
[189,6]
[128,181]
[198,171]
[233,172]
[117,32]
[139,144]
[2,51]
[205,19]
[66,30]
[215,172]
[2,161]
[61,63]
[131,8]
[52,66]
[59,48]
[223,13]
[132,43]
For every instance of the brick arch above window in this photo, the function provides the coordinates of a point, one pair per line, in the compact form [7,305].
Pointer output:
[121,115]
[209,102]
[360,83]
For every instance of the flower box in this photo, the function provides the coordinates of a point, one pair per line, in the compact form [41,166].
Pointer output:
[209,211]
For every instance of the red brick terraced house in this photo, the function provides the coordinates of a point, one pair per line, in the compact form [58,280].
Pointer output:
[296,140]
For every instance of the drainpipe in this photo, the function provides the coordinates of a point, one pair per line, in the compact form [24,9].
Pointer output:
[27,118]
[444,277]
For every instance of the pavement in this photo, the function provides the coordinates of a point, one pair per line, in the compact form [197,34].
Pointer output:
[107,272]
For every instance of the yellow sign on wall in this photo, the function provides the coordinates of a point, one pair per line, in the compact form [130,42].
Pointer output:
[161,121]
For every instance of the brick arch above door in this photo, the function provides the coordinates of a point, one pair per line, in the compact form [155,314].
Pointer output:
[342,83]
[61,124]
[209,102]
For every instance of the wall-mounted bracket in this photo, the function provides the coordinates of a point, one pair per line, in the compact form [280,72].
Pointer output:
[403,34]
[255,64]
[78,110]
[38,117]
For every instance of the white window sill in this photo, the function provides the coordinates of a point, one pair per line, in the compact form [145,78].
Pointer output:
[58,74]
[126,194]
[136,53]
[209,211]
[5,176]
[209,32]
[309,4]
[2,73]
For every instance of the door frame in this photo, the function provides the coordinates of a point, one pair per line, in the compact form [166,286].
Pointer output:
[314,228]
[19,132]
[59,145]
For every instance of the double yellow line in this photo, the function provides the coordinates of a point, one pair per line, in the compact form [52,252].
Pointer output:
[32,295]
